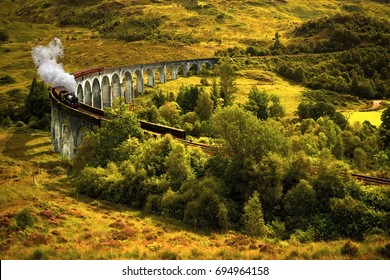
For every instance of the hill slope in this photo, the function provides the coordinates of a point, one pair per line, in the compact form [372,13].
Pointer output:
[113,33]
[68,226]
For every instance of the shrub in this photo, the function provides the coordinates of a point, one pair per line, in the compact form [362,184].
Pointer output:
[385,251]
[300,236]
[24,219]
[169,255]
[349,249]
[58,170]
[38,254]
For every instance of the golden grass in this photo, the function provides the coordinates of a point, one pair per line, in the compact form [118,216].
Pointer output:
[76,227]
[374,117]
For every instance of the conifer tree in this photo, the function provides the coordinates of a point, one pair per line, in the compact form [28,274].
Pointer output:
[253,216]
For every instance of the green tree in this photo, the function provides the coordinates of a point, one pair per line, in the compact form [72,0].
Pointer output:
[276,109]
[252,217]
[348,213]
[214,93]
[170,112]
[328,183]
[245,136]
[227,83]
[37,102]
[223,218]
[159,98]
[299,204]
[299,74]
[123,124]
[360,159]
[385,118]
[188,96]
[258,102]
[204,106]
[178,166]
[338,148]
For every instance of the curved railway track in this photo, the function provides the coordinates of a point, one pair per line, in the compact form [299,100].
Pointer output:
[371,180]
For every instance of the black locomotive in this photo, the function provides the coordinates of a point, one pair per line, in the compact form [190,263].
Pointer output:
[66,97]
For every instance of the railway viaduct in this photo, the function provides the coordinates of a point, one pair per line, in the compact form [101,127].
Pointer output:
[98,89]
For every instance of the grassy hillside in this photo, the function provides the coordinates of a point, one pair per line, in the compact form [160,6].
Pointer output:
[173,29]
[124,32]
[68,226]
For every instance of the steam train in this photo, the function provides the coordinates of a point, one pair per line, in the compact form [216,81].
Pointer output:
[66,97]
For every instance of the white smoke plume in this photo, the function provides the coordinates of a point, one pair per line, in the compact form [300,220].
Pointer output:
[50,71]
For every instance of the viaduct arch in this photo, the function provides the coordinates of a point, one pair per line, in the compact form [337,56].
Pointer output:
[97,89]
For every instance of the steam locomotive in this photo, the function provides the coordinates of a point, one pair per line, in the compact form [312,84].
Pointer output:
[66,97]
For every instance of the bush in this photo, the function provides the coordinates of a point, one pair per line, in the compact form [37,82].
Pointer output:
[349,249]
[3,36]
[385,251]
[38,254]
[58,170]
[6,80]
[24,219]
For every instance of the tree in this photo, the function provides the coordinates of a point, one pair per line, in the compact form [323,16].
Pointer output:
[277,45]
[258,102]
[123,124]
[253,220]
[276,110]
[37,103]
[320,109]
[178,167]
[227,84]
[299,204]
[159,98]
[348,214]
[214,92]
[188,96]
[385,118]
[246,136]
[299,74]
[204,106]
[223,218]
[170,112]
[361,159]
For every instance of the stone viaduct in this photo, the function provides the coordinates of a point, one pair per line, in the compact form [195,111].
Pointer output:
[98,88]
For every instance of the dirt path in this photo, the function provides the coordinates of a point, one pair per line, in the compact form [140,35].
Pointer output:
[376,104]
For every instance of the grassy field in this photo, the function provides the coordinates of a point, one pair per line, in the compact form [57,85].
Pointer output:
[374,117]
[68,226]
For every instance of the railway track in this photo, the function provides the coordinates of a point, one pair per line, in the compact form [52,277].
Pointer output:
[371,180]
[204,147]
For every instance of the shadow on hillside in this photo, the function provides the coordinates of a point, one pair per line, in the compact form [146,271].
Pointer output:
[17,147]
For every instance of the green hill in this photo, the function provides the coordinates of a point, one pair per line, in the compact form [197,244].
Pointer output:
[113,33]
[295,49]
